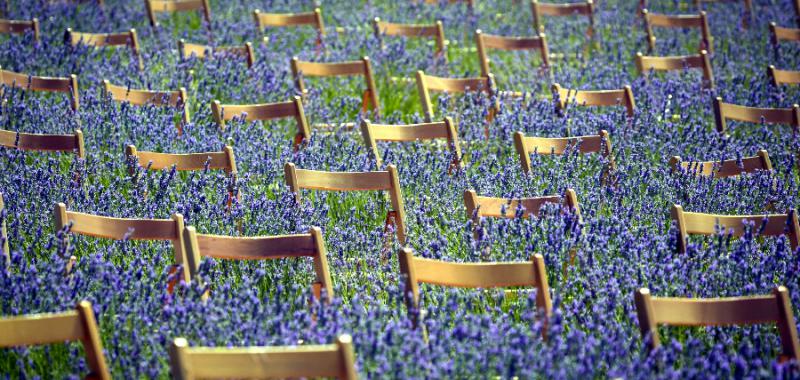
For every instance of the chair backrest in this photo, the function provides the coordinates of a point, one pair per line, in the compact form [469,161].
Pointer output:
[387,180]
[124,228]
[723,169]
[778,34]
[600,143]
[562,10]
[4,232]
[20,27]
[486,42]
[177,99]
[775,308]
[484,275]
[445,129]
[168,6]
[302,69]
[782,77]
[78,325]
[67,85]
[699,21]
[310,244]
[313,19]
[563,97]
[724,111]
[266,111]
[434,31]
[72,143]
[480,206]
[746,16]
[224,160]
[428,83]
[186,50]
[695,223]
[677,63]
[128,38]
[307,361]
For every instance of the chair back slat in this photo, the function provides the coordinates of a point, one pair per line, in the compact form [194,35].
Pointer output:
[44,142]
[142,97]
[684,21]
[67,85]
[313,18]
[726,168]
[301,69]
[318,69]
[485,42]
[724,111]
[187,49]
[562,10]
[427,84]
[603,98]
[446,129]
[505,207]
[167,6]
[224,160]
[266,111]
[781,77]
[677,63]
[20,27]
[120,228]
[102,39]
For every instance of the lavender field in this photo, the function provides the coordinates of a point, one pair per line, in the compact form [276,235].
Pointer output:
[623,239]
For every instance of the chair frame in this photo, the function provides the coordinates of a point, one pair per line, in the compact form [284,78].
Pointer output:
[434,31]
[782,77]
[387,180]
[77,325]
[72,143]
[330,360]
[677,63]
[473,276]
[445,129]
[106,227]
[485,42]
[187,49]
[681,21]
[176,99]
[302,69]
[563,97]
[169,6]
[775,308]
[562,10]
[266,111]
[777,34]
[97,40]
[20,27]
[224,160]
[481,206]
[67,85]
[723,169]
[313,18]
[600,143]
[429,83]
[695,223]
[724,111]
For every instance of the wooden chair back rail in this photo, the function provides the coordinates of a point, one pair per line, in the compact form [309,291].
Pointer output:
[775,308]
[266,111]
[246,51]
[410,132]
[79,325]
[455,85]
[313,18]
[67,85]
[120,228]
[778,33]
[20,27]
[559,145]
[618,97]
[189,161]
[726,168]
[42,142]
[549,9]
[317,69]
[307,361]
[163,6]
[493,207]
[677,63]
[675,21]
[142,97]
[406,30]
[104,39]
[485,42]
[724,111]
[779,77]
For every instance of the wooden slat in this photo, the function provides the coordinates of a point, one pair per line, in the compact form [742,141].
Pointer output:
[719,312]
[118,228]
[706,224]
[265,111]
[593,97]
[176,5]
[35,83]
[675,21]
[17,26]
[286,19]
[671,62]
[101,39]
[786,34]
[343,181]
[491,206]
[31,141]
[410,132]
[754,114]
[550,9]
[250,248]
[407,30]
[331,69]
[271,362]
[785,76]
[475,275]
[559,145]
[456,85]
[142,97]
[188,161]
[726,168]
[511,43]
[40,329]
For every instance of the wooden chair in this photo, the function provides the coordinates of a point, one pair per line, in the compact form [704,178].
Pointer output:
[176,99]
[445,129]
[677,63]
[479,206]
[78,325]
[484,275]
[4,233]
[310,244]
[313,19]
[186,50]
[307,361]
[600,143]
[20,27]
[585,9]
[564,97]
[698,21]
[724,111]
[266,111]
[486,42]
[695,223]
[387,180]
[123,228]
[128,38]
[72,143]
[428,83]
[779,34]
[748,8]
[168,6]
[302,69]
[782,77]
[723,169]
[224,160]
[775,308]
[433,31]
[68,85]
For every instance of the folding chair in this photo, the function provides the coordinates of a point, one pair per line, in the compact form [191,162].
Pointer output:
[176,99]
[169,6]
[445,129]
[698,21]
[128,39]
[677,63]
[266,111]
[302,69]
